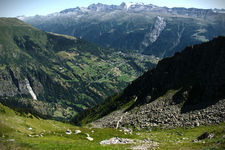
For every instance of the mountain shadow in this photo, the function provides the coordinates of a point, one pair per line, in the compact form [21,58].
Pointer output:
[191,80]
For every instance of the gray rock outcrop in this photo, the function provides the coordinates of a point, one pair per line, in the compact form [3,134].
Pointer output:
[163,113]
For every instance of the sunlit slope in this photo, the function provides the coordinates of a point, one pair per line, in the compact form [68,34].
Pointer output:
[65,74]
[25,131]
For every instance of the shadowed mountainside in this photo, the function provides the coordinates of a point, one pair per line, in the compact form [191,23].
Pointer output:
[189,82]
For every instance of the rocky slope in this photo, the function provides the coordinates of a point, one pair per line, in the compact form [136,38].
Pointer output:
[164,114]
[57,75]
[147,29]
[184,90]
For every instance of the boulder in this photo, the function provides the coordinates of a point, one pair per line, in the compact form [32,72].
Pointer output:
[205,135]
[117,140]
[68,131]
[77,131]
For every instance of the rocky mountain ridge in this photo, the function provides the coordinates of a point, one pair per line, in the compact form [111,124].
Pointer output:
[135,27]
[137,7]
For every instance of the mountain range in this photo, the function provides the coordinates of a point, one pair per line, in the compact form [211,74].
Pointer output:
[136,27]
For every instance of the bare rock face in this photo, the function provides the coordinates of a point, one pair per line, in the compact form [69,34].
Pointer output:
[6,84]
[30,90]
[13,84]
[152,36]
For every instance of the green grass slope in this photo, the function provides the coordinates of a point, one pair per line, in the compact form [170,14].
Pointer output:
[49,134]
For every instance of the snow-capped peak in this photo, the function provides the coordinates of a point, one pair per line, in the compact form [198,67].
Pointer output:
[21,17]
[130,4]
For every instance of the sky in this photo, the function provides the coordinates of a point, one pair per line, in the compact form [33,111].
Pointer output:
[14,8]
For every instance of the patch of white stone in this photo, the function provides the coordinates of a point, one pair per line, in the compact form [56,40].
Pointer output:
[77,131]
[89,138]
[29,128]
[30,90]
[117,140]
[68,132]
[152,36]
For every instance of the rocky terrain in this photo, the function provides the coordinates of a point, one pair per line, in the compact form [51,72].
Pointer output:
[152,36]
[162,113]
[184,90]
[135,27]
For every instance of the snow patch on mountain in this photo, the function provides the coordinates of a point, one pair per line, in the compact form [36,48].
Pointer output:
[132,4]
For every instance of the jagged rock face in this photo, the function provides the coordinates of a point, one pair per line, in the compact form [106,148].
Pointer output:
[152,36]
[13,84]
[6,84]
[129,27]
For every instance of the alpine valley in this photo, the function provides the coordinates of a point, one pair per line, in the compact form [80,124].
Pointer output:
[129,76]
[57,75]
